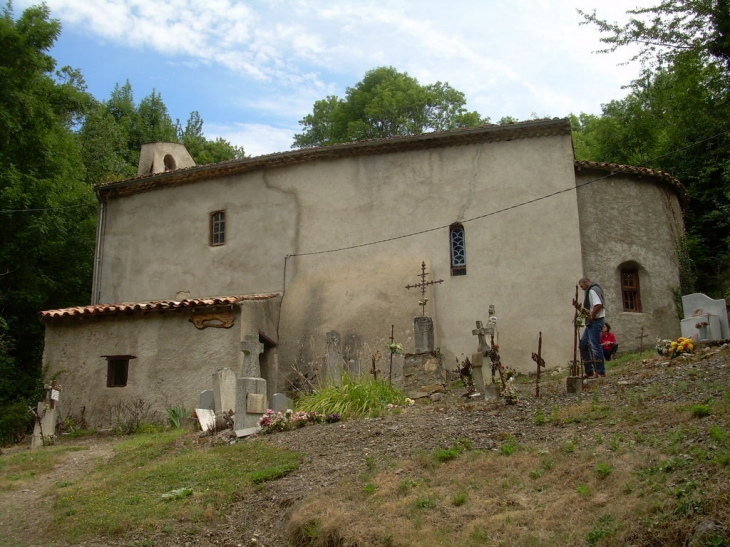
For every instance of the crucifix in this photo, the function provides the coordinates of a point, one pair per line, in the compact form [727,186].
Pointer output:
[641,339]
[423,284]
[537,357]
[575,367]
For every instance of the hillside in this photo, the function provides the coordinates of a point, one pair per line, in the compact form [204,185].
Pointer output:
[640,458]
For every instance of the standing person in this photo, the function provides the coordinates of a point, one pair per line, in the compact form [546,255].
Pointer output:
[608,342]
[593,302]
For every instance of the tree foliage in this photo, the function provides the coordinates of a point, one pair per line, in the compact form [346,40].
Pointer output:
[46,210]
[56,141]
[673,27]
[675,118]
[385,103]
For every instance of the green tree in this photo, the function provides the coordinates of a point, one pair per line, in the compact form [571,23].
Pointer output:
[385,103]
[203,150]
[46,210]
[675,119]
[672,28]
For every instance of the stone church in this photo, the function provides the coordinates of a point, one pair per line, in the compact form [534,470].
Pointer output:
[301,260]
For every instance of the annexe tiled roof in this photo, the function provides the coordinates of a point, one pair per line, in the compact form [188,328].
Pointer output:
[617,168]
[129,308]
[437,139]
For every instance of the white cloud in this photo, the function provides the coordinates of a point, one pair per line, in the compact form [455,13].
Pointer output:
[509,58]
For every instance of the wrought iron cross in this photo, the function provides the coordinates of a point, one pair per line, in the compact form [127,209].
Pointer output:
[641,339]
[537,357]
[423,284]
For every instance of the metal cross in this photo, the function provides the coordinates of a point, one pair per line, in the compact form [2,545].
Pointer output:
[641,340]
[481,331]
[423,284]
[537,357]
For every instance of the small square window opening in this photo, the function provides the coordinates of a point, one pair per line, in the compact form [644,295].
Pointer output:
[117,369]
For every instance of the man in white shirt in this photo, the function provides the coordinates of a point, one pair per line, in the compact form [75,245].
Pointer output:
[593,301]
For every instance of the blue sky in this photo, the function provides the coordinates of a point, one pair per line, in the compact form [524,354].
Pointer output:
[253,69]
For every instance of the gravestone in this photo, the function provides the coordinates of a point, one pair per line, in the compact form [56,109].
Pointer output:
[280,402]
[206,418]
[704,318]
[224,390]
[477,359]
[250,405]
[46,414]
[423,334]
[333,356]
[206,399]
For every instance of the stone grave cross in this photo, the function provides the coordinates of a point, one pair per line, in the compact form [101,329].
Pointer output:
[251,348]
[481,332]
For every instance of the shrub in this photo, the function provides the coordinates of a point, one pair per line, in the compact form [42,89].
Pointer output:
[129,417]
[353,398]
[15,422]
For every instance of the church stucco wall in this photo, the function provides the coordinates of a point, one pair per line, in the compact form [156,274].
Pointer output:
[174,361]
[631,220]
[524,260]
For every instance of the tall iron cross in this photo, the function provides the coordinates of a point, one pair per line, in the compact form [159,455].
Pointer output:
[423,284]
[537,357]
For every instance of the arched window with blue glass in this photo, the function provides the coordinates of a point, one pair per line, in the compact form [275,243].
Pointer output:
[457,238]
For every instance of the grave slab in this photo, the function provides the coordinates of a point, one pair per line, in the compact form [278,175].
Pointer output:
[243,419]
[224,390]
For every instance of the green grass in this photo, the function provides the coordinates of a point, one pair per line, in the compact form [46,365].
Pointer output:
[19,466]
[152,480]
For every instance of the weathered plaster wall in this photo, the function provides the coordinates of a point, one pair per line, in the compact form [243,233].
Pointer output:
[156,243]
[174,361]
[524,260]
[627,219]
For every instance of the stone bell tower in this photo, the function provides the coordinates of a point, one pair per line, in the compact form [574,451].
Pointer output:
[160,157]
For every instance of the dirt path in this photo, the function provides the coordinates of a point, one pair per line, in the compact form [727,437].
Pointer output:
[26,511]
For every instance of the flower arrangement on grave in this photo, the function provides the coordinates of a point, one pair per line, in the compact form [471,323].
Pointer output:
[284,421]
[581,317]
[395,348]
[509,393]
[423,301]
[675,348]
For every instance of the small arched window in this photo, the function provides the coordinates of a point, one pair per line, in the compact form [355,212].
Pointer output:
[457,239]
[630,290]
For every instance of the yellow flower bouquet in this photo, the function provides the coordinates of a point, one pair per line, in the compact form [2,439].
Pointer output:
[675,348]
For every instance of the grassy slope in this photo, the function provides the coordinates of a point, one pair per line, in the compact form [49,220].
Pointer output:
[641,464]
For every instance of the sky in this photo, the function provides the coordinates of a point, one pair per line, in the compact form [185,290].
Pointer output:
[253,69]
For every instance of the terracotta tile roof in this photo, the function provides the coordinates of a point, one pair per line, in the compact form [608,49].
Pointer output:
[656,174]
[128,308]
[436,139]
